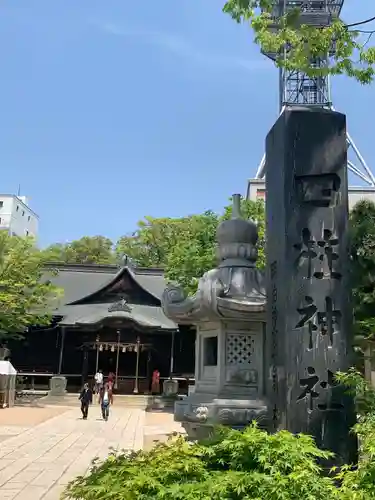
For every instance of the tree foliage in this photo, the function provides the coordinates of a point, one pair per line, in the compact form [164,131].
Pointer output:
[358,483]
[233,465]
[150,244]
[298,46]
[25,298]
[362,253]
[184,247]
[194,251]
[86,250]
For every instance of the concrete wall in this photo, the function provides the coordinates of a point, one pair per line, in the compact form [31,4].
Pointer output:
[256,189]
[357,194]
[16,217]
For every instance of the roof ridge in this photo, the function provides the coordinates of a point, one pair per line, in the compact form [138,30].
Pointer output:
[81,267]
[147,270]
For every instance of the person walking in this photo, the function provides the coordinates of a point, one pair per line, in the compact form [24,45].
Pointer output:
[98,381]
[86,399]
[155,384]
[110,390]
[104,401]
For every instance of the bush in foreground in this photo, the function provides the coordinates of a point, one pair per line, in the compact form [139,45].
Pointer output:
[248,465]
[234,465]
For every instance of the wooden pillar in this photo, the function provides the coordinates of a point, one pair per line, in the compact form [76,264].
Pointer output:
[148,371]
[97,354]
[171,366]
[117,357]
[62,344]
[138,345]
[85,363]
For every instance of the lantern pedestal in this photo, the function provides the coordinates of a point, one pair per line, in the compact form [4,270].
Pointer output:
[229,312]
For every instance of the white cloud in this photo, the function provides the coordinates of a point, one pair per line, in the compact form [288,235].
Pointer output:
[184,49]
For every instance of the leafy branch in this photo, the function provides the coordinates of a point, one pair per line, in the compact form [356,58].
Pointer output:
[26,296]
[298,47]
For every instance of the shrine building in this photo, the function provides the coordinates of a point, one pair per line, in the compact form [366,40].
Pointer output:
[110,319]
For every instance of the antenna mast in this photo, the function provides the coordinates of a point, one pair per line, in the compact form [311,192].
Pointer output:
[298,89]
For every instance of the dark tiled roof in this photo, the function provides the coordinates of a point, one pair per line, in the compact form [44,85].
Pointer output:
[151,280]
[94,314]
[79,281]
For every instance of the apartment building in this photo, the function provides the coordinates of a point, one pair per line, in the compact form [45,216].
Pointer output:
[17,217]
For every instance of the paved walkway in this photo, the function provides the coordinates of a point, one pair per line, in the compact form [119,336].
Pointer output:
[38,459]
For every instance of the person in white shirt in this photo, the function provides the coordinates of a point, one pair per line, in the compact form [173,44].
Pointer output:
[98,381]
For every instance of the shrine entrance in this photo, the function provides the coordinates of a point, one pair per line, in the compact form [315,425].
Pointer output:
[129,361]
[111,320]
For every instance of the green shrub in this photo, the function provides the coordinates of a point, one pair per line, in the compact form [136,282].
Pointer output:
[233,465]
[359,483]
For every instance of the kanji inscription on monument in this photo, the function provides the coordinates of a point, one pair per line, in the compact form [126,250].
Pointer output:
[320,190]
[313,388]
[325,322]
[318,255]
[309,306]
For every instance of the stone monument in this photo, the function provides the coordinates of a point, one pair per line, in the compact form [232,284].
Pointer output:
[57,385]
[229,313]
[309,315]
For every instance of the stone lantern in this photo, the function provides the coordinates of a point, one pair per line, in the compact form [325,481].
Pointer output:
[228,310]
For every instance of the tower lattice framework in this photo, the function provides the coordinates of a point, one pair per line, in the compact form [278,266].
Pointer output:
[298,89]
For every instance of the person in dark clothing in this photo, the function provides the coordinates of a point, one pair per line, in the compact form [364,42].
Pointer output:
[86,399]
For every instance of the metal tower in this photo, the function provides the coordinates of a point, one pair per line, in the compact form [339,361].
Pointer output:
[298,89]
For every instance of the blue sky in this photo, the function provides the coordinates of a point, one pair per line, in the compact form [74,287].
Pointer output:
[112,110]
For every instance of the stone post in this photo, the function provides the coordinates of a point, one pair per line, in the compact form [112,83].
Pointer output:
[309,315]
[57,383]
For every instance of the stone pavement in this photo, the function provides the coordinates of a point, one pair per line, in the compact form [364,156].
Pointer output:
[158,427]
[37,460]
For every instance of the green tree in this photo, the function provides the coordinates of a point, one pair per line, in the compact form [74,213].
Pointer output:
[86,250]
[358,483]
[193,252]
[58,252]
[25,296]
[184,247]
[303,44]
[150,244]
[362,252]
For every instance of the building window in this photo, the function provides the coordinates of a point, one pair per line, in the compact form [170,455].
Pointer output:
[29,218]
[0,220]
[1,204]
[27,233]
[210,351]
[17,208]
[23,213]
[261,194]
